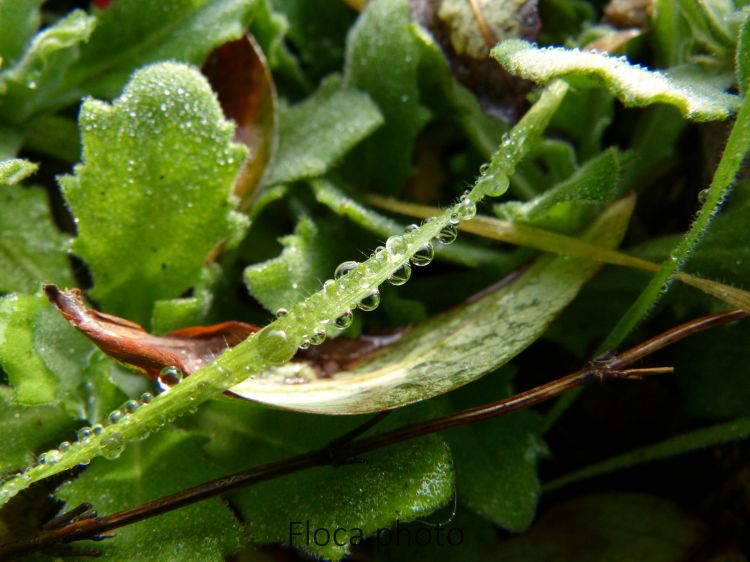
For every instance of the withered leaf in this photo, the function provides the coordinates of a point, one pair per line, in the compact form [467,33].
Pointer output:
[190,348]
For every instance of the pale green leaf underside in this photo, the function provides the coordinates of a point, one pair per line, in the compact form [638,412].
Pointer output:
[633,85]
[15,170]
[448,350]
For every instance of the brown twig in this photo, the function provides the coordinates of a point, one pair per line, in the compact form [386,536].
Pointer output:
[80,524]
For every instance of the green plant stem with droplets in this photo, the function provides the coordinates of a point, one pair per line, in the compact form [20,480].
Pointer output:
[277,342]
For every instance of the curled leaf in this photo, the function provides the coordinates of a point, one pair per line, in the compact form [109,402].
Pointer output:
[238,72]
[633,85]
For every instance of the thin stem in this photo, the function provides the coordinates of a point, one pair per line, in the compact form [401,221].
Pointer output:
[349,446]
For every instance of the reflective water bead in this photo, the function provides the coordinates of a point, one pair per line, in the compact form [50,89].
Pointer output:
[281,312]
[410,228]
[84,434]
[168,377]
[703,195]
[454,218]
[498,184]
[370,302]
[50,457]
[146,398]
[345,320]
[116,416]
[305,343]
[448,234]
[112,446]
[276,346]
[401,275]
[26,474]
[97,429]
[64,447]
[344,268]
[467,209]
[131,406]
[423,256]
[396,247]
[318,337]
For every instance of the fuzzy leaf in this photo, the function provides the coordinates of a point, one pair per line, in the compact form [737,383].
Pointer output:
[207,531]
[31,247]
[15,170]
[404,482]
[154,185]
[26,430]
[382,59]
[633,85]
[132,33]
[34,80]
[316,133]
[448,350]
[47,363]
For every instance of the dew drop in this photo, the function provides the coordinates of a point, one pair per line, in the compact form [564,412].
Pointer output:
[345,320]
[703,195]
[275,346]
[396,247]
[467,209]
[50,457]
[116,416]
[26,475]
[344,268]
[454,218]
[64,447]
[370,302]
[97,429]
[112,446]
[410,228]
[318,337]
[84,434]
[497,184]
[423,256]
[168,377]
[483,168]
[401,275]
[146,398]
[280,313]
[131,406]
[448,234]
[305,343]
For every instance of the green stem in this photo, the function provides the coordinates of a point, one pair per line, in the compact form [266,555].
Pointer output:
[277,342]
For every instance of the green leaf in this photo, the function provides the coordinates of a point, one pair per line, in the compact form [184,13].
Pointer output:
[15,170]
[49,363]
[31,247]
[448,350]
[571,204]
[33,82]
[18,23]
[133,33]
[153,194]
[633,85]
[402,483]
[28,429]
[207,531]
[496,461]
[617,527]
[172,314]
[382,59]
[315,134]
[309,256]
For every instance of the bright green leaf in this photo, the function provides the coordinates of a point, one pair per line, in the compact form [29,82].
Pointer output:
[26,430]
[205,532]
[404,482]
[153,194]
[31,247]
[570,205]
[48,362]
[315,134]
[382,59]
[15,170]
[172,314]
[633,85]
[448,350]
[33,82]
[742,57]
[18,23]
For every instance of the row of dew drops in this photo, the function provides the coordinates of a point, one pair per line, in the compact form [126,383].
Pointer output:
[395,248]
